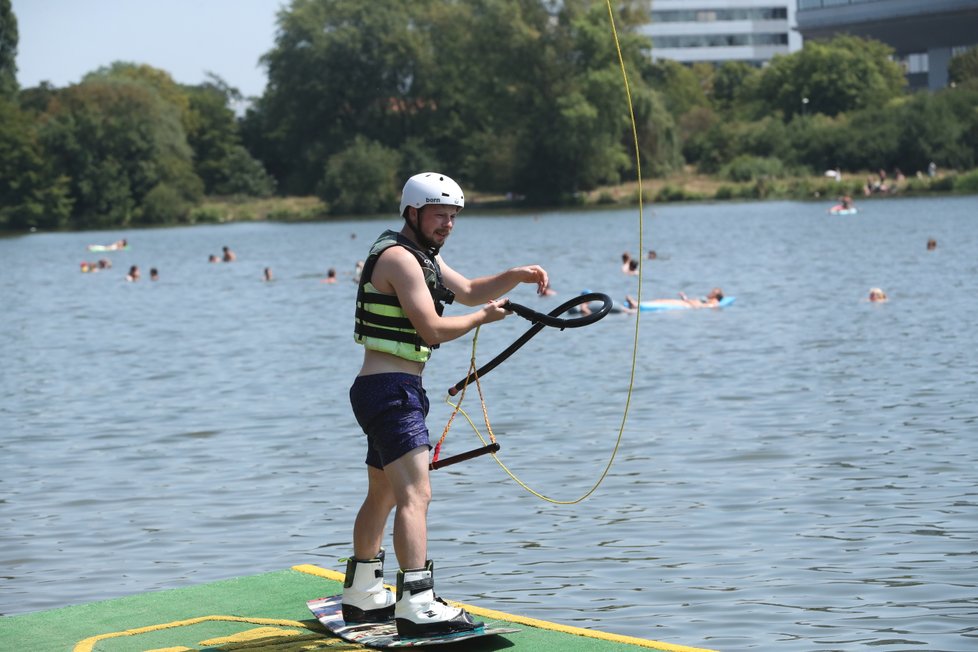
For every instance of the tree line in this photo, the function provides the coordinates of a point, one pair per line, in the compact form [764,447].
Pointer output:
[522,97]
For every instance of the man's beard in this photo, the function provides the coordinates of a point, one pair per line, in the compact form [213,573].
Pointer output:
[429,245]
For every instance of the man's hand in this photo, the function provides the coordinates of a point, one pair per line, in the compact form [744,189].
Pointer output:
[533,274]
[494,311]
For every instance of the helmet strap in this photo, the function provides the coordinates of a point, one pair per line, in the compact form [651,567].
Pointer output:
[415,226]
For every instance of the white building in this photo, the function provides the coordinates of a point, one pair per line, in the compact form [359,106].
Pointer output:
[714,31]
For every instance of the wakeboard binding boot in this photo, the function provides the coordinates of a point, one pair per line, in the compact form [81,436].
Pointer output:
[365,598]
[420,613]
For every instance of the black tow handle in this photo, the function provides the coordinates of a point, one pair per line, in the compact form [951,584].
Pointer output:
[461,457]
[541,320]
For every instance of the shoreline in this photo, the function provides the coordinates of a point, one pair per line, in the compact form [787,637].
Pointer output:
[676,188]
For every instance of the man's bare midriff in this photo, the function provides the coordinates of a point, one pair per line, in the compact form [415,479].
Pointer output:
[377,362]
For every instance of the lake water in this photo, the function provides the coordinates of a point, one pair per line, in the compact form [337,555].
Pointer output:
[798,471]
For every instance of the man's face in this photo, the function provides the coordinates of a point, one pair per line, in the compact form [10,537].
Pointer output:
[435,222]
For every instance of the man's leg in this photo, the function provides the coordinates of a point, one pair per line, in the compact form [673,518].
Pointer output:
[368,529]
[411,489]
[365,599]
[418,612]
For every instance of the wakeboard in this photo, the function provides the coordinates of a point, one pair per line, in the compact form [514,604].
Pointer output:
[329,611]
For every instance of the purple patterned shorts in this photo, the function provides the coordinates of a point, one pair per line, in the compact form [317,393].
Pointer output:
[391,409]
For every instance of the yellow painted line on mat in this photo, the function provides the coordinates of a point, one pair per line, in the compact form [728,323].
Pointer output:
[88,645]
[531,622]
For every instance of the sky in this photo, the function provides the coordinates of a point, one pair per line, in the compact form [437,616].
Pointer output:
[60,41]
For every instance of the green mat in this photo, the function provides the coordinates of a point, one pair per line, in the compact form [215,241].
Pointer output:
[259,612]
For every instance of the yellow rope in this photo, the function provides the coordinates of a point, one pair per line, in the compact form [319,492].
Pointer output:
[631,381]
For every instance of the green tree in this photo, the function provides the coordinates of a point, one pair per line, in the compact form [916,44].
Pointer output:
[220,160]
[530,100]
[935,127]
[339,68]
[733,81]
[831,77]
[36,100]
[9,38]
[485,93]
[964,67]
[577,121]
[660,142]
[362,179]
[117,140]
[30,194]
[680,85]
[159,80]
[818,142]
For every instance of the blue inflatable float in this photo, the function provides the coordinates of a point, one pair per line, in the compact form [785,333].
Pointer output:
[660,306]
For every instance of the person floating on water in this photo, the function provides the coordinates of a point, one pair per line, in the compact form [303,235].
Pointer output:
[711,300]
[931,244]
[876,295]
[626,263]
[630,305]
[228,256]
[845,205]
[133,274]
[330,275]
[399,321]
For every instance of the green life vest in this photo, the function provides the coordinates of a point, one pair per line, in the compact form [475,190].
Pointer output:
[381,324]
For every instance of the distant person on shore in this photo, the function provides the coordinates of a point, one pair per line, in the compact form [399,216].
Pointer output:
[876,295]
[229,256]
[931,244]
[133,274]
[268,274]
[330,275]
[154,274]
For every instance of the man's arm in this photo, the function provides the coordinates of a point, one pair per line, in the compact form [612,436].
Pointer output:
[472,292]
[397,271]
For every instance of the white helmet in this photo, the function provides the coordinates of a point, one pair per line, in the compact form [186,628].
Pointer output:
[430,188]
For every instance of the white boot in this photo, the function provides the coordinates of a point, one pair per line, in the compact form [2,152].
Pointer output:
[419,612]
[365,598]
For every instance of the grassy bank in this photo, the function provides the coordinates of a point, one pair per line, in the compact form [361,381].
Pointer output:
[696,187]
[687,186]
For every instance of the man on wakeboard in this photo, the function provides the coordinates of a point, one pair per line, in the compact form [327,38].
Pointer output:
[402,293]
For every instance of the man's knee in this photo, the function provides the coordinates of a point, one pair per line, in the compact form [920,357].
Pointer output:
[415,497]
